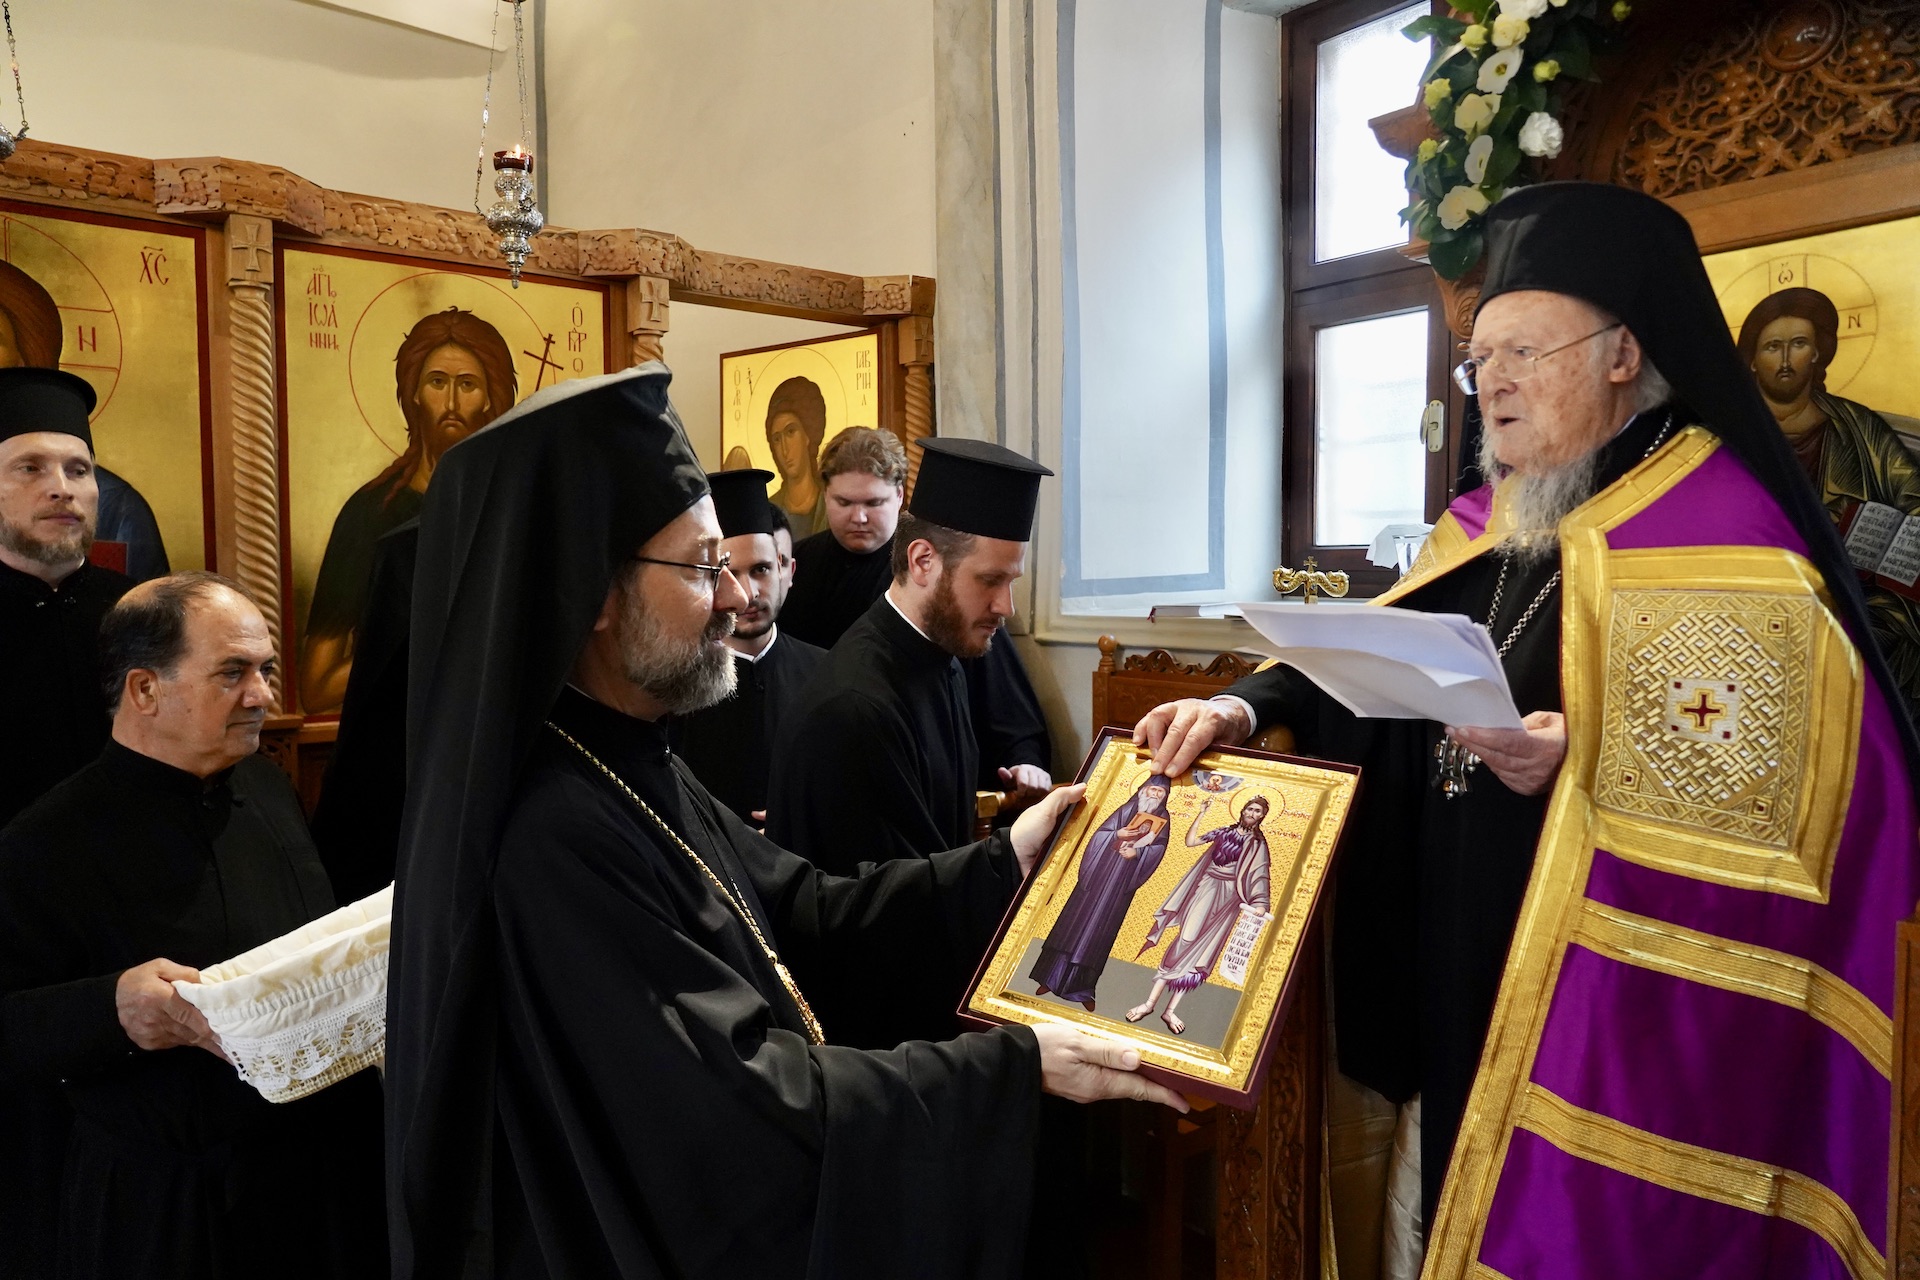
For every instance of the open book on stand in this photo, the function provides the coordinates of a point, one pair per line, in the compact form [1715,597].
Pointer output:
[1884,546]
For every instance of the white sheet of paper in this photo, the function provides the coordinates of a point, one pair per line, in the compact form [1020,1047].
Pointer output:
[1392,663]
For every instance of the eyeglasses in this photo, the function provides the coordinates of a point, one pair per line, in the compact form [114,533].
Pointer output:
[1511,364]
[713,571]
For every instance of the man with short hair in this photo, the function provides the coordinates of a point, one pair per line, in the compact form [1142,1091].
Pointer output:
[1567,921]
[879,759]
[729,745]
[849,565]
[51,602]
[176,849]
[601,1060]
[783,547]
[51,597]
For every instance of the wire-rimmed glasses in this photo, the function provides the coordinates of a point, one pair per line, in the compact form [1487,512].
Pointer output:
[1511,364]
[712,571]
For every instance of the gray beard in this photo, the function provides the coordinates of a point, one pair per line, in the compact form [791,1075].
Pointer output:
[1538,503]
[681,681]
[65,550]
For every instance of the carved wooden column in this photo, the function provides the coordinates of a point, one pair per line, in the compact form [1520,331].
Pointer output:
[916,355]
[1268,1226]
[256,454]
[1903,1207]
[647,319]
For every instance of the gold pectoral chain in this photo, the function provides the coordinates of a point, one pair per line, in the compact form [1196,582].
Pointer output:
[733,899]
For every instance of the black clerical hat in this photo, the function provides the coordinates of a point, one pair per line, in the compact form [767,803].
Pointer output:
[978,488]
[1634,256]
[740,501]
[45,400]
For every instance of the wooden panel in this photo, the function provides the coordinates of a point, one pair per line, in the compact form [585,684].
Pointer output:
[1903,1204]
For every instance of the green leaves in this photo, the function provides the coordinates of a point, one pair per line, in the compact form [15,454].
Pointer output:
[1453,258]
[1445,30]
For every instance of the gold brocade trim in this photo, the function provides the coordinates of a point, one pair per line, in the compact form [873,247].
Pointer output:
[1743,968]
[1697,1171]
[1481,1271]
[1565,853]
[1764,808]
[1446,549]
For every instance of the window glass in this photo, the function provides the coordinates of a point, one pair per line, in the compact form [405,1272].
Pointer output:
[1370,387]
[1358,189]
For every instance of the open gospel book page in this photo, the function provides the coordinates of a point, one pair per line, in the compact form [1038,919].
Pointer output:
[1885,545]
[1392,663]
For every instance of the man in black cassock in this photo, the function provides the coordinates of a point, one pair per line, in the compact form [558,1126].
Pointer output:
[174,850]
[729,744]
[51,598]
[51,602]
[879,759]
[600,1060]
[1564,354]
[845,567]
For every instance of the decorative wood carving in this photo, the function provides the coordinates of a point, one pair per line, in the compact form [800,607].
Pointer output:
[915,341]
[1903,1239]
[280,745]
[49,172]
[900,295]
[1774,88]
[1227,666]
[256,452]
[215,187]
[648,310]
[1269,1160]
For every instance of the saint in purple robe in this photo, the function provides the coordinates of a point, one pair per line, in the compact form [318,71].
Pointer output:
[1122,855]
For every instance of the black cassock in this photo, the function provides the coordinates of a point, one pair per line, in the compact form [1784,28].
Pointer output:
[175,1167]
[1429,889]
[877,759]
[729,746]
[660,1110]
[50,678]
[833,588]
[356,825]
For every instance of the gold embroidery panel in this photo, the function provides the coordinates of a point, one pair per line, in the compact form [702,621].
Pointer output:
[1666,644]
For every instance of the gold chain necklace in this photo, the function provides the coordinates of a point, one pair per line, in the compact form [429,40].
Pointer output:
[786,978]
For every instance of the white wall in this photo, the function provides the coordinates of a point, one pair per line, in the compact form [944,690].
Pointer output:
[799,132]
[344,100]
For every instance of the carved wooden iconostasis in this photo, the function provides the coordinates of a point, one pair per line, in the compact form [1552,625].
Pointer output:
[248,331]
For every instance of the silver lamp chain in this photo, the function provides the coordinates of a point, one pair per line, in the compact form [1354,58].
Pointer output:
[486,109]
[8,140]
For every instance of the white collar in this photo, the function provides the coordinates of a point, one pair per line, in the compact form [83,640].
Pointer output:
[904,618]
[773,638]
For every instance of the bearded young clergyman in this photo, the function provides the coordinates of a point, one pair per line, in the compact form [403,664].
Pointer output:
[1639,972]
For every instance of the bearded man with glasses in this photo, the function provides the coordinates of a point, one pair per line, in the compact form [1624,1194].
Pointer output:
[1552,938]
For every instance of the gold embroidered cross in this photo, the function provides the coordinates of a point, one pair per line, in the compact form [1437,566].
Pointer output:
[1704,712]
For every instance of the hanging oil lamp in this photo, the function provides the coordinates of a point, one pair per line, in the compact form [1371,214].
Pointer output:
[515,218]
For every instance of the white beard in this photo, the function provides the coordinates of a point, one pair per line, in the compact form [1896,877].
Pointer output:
[1538,503]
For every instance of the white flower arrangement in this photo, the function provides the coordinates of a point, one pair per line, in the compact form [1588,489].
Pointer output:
[1492,91]
[1497,72]
[1540,136]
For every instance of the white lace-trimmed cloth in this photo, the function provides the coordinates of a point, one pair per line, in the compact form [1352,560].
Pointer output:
[307,1009]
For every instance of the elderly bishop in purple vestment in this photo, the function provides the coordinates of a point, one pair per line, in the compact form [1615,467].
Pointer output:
[1637,958]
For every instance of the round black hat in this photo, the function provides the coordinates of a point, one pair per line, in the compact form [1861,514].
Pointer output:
[740,501]
[974,487]
[45,400]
